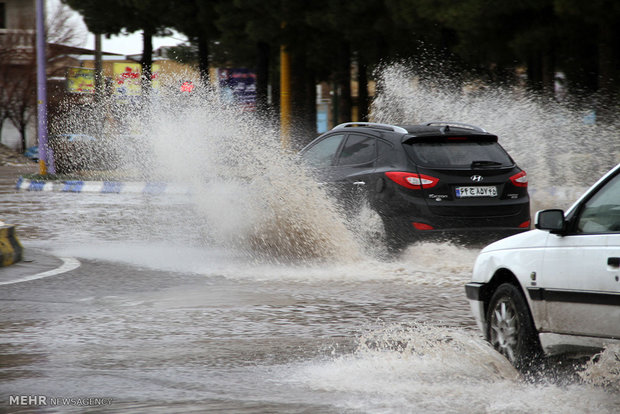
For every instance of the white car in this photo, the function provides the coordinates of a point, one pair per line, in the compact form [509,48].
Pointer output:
[555,289]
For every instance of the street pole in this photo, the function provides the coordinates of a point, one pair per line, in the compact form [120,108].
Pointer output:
[285,97]
[45,156]
[98,69]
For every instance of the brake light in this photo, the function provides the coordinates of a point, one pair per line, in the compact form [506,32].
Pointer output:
[525,224]
[519,179]
[422,226]
[412,180]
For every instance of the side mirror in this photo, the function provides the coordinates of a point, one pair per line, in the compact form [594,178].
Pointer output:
[551,220]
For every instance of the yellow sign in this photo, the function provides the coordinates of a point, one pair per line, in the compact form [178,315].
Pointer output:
[155,76]
[81,80]
[127,79]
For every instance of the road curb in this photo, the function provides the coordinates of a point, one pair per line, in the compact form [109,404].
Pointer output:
[113,187]
[10,247]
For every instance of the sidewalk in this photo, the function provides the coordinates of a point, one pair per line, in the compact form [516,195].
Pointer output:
[116,187]
[33,263]
[14,166]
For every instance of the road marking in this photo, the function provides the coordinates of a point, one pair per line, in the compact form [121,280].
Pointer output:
[69,264]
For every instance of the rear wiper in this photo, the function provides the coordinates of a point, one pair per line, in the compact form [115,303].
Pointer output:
[485,163]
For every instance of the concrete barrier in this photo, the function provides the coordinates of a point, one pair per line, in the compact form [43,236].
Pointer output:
[10,248]
[117,187]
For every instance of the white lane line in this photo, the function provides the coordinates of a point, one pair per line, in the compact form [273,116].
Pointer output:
[69,263]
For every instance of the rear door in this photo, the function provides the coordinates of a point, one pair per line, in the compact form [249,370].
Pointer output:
[343,162]
[354,167]
[321,155]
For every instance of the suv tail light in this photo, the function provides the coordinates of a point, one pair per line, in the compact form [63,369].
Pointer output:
[422,226]
[412,180]
[519,179]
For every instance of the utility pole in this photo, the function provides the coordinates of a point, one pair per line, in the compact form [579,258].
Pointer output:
[46,157]
[285,96]
[98,69]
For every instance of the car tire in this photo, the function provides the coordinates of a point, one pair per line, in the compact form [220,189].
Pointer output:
[510,329]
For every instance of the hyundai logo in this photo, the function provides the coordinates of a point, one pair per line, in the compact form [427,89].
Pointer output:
[476,178]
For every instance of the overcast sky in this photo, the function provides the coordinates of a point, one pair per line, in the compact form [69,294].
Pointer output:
[124,45]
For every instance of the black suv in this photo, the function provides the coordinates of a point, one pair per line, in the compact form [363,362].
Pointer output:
[439,178]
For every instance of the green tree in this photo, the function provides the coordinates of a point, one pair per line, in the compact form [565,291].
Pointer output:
[196,19]
[112,17]
[591,51]
[250,36]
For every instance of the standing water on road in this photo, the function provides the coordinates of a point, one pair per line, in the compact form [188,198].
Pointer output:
[254,294]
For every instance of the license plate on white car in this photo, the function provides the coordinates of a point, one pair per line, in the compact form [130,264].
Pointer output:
[476,191]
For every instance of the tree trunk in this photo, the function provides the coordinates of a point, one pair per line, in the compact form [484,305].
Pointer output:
[548,74]
[343,76]
[310,109]
[303,98]
[147,59]
[362,94]
[536,72]
[203,59]
[98,68]
[1,126]
[606,72]
[22,132]
[262,77]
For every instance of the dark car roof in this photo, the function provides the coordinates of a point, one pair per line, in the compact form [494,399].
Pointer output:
[422,130]
[426,130]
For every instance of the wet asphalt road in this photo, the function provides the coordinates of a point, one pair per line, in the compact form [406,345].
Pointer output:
[148,317]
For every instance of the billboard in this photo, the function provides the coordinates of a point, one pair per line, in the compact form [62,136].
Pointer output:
[80,80]
[238,86]
[155,76]
[127,79]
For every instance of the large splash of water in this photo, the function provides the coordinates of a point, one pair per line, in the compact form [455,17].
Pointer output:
[553,142]
[436,369]
[248,193]
[251,195]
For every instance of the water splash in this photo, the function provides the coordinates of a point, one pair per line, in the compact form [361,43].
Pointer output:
[250,195]
[559,150]
[247,192]
[603,369]
[434,369]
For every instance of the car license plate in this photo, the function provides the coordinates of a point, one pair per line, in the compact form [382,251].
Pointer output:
[478,191]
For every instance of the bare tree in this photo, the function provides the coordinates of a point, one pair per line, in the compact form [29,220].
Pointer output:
[22,103]
[18,65]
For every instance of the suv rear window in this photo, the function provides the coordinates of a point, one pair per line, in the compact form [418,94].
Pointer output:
[458,154]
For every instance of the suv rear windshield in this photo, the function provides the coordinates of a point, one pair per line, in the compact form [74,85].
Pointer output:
[459,154]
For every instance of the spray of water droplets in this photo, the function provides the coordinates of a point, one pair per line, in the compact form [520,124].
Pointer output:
[248,193]
[560,151]
[435,369]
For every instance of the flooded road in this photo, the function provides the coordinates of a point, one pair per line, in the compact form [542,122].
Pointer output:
[160,317]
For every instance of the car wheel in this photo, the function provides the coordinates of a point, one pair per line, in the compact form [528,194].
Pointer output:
[510,329]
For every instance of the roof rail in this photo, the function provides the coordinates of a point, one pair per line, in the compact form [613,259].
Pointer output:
[372,125]
[456,124]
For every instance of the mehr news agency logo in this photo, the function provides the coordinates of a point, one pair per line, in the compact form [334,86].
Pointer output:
[45,401]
